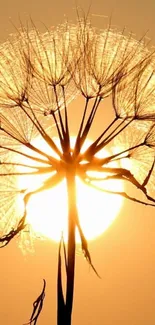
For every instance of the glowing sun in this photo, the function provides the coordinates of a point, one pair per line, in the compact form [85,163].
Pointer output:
[47,210]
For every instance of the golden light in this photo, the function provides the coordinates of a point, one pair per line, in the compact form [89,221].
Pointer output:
[47,210]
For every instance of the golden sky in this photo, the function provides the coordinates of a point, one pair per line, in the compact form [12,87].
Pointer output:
[125,254]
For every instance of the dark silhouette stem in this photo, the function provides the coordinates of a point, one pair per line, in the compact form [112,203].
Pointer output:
[72,217]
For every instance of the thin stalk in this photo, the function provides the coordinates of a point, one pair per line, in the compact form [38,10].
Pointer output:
[32,147]
[27,156]
[91,148]
[57,127]
[61,307]
[77,143]
[67,132]
[115,157]
[72,217]
[41,130]
[88,124]
[112,136]
[91,118]
[113,131]
[59,113]
[53,160]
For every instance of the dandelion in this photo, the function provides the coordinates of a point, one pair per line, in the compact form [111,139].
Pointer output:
[40,74]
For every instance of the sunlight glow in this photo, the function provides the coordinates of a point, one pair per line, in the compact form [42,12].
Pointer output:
[47,210]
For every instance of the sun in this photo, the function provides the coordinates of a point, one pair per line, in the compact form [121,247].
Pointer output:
[47,210]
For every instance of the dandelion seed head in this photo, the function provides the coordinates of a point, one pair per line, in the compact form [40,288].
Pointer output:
[42,73]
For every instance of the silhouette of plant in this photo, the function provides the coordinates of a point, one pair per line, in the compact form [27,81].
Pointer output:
[40,74]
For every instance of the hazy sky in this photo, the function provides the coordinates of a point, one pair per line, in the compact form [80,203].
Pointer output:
[125,254]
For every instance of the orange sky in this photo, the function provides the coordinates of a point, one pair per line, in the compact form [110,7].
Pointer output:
[125,254]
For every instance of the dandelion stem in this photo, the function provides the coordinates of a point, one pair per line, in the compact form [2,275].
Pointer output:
[72,216]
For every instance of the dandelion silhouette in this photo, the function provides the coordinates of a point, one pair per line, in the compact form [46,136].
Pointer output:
[40,74]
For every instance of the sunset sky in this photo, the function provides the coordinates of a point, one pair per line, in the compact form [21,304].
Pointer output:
[124,255]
